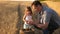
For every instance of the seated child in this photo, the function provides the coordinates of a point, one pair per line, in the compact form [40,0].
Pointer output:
[27,18]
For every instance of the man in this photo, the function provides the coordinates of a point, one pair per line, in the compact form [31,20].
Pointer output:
[44,17]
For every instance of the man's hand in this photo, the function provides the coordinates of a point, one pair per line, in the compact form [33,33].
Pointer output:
[33,22]
[43,26]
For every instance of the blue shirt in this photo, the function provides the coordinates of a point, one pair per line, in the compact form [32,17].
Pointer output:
[48,14]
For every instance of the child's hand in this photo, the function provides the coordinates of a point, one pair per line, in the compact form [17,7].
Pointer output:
[30,22]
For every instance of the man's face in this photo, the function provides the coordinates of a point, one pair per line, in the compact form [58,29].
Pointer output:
[36,8]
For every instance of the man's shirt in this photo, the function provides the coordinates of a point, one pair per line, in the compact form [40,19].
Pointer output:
[46,14]
[50,14]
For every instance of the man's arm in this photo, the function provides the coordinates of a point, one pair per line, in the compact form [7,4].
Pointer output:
[46,19]
[43,26]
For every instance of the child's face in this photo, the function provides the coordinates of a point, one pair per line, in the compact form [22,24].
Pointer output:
[28,12]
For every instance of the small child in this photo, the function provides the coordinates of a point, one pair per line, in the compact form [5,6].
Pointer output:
[27,18]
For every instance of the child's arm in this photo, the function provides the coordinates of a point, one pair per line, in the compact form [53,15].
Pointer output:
[24,18]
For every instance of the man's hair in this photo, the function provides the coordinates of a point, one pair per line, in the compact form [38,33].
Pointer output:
[36,3]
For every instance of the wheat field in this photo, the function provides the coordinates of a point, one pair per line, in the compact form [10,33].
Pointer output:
[11,13]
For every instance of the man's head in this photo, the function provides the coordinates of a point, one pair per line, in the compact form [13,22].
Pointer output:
[36,6]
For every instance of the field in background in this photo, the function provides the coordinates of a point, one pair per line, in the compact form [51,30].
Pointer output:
[11,15]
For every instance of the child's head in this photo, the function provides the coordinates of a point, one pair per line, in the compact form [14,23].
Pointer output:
[28,10]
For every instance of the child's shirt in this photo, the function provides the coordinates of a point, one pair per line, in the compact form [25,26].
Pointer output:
[28,18]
